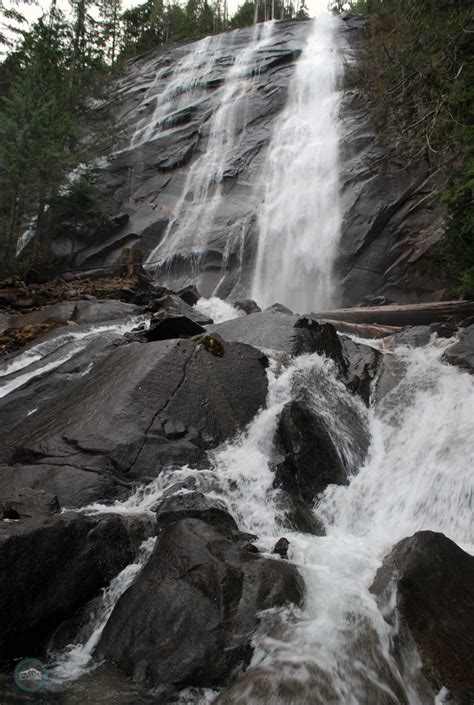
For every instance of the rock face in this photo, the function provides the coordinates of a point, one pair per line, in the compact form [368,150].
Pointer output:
[165,103]
[434,581]
[50,564]
[200,590]
[139,408]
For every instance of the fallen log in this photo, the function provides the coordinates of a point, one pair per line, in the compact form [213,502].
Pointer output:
[401,314]
[362,330]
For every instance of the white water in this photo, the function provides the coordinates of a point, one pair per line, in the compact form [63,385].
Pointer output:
[336,650]
[196,213]
[76,659]
[300,218]
[418,475]
[189,73]
[217,309]
[47,356]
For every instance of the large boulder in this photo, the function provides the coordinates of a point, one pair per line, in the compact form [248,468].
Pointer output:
[142,407]
[461,353]
[195,607]
[322,436]
[52,563]
[195,505]
[433,581]
[356,363]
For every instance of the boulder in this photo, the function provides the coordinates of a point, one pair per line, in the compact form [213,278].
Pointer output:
[195,505]
[173,304]
[279,308]
[357,363]
[433,580]
[322,436]
[189,294]
[164,326]
[74,487]
[158,404]
[414,337]
[461,353]
[293,514]
[312,460]
[195,607]
[28,503]
[247,306]
[50,564]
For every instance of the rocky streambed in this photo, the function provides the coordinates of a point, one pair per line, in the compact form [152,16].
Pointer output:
[197,499]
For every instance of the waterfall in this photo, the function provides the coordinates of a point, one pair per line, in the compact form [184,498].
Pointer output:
[300,218]
[337,649]
[196,215]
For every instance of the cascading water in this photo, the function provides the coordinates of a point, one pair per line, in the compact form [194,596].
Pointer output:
[190,73]
[196,218]
[337,648]
[299,221]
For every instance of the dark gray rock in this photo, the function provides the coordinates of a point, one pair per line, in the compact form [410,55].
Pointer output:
[414,337]
[195,606]
[247,306]
[461,353]
[28,503]
[74,487]
[433,581]
[293,514]
[189,294]
[164,326]
[129,428]
[281,548]
[174,304]
[279,308]
[50,565]
[195,505]
[312,461]
[296,335]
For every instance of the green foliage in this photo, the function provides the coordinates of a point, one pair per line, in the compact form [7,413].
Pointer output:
[417,70]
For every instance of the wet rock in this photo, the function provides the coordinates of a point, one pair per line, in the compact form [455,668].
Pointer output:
[445,329]
[195,505]
[433,581]
[461,353]
[144,391]
[164,326]
[50,565]
[414,337]
[360,366]
[74,487]
[27,503]
[312,461]
[281,548]
[195,606]
[173,304]
[322,436]
[295,515]
[357,363]
[189,294]
[247,306]
[391,372]
[279,308]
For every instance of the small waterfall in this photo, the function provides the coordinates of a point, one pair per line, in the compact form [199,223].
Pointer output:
[300,218]
[196,218]
[76,658]
[337,649]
